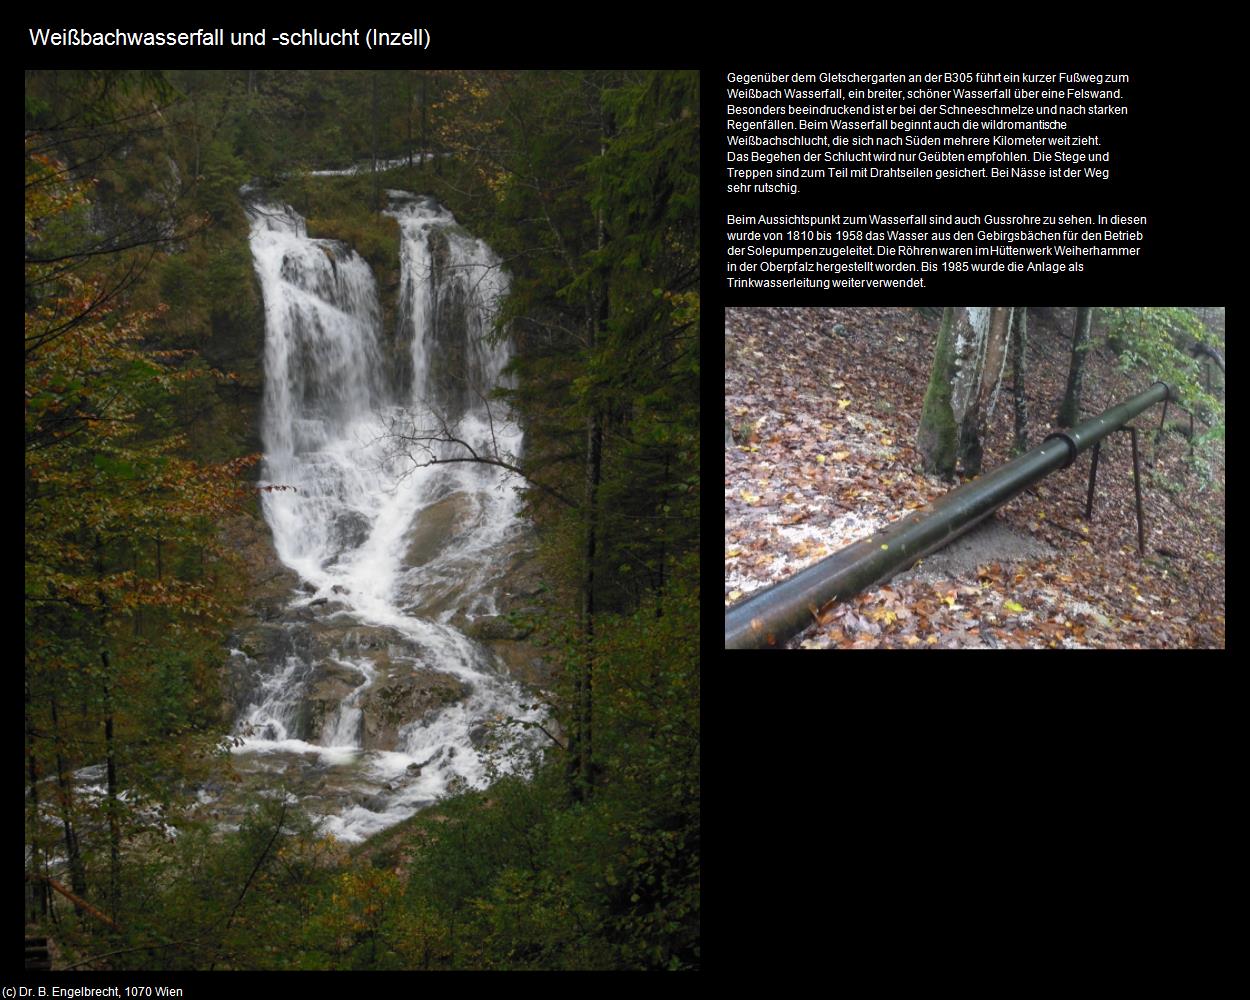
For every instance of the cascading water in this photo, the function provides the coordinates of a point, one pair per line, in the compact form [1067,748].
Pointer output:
[389,552]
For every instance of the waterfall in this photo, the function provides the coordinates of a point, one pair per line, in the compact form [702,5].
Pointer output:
[450,288]
[385,548]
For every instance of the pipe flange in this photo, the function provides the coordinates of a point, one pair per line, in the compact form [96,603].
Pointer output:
[1066,439]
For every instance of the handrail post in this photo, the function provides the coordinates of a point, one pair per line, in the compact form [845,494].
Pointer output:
[1093,474]
[1141,538]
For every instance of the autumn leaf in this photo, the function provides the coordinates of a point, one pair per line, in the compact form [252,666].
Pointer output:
[841,456]
[843,404]
[1012,606]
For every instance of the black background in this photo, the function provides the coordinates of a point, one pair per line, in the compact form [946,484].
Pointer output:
[947,817]
[1169,162]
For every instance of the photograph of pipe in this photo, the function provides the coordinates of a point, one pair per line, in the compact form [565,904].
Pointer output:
[772,615]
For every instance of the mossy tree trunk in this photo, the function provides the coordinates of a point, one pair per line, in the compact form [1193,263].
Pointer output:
[938,433]
[1019,369]
[967,370]
[1070,408]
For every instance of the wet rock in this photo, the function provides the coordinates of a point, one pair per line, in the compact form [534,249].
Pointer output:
[416,769]
[437,526]
[269,611]
[523,582]
[330,684]
[491,627]
[334,681]
[270,582]
[405,694]
[523,662]
[328,638]
[350,530]
[265,643]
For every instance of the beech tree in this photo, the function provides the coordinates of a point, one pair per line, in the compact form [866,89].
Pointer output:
[968,366]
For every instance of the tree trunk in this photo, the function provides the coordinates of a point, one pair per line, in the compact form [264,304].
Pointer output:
[110,760]
[1019,368]
[992,363]
[963,387]
[938,434]
[996,351]
[1070,408]
[110,756]
[582,757]
[408,102]
[581,760]
[34,826]
[373,142]
[425,118]
[77,873]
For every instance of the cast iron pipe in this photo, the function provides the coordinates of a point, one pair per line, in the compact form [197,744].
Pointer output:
[771,616]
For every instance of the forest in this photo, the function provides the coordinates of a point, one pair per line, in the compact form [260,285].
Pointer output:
[975,478]
[362,499]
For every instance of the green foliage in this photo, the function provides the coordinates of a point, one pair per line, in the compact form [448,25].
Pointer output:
[340,208]
[521,879]
[588,185]
[125,587]
[1156,341]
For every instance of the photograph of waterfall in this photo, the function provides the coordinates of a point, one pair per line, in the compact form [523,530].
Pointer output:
[362,520]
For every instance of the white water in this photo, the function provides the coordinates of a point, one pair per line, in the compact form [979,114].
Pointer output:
[346,504]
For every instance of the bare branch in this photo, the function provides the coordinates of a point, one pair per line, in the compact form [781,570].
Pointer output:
[420,446]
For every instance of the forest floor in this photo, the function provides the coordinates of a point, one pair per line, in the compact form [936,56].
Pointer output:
[825,404]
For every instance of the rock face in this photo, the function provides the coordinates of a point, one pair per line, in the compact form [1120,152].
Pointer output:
[492,627]
[339,654]
[524,662]
[270,583]
[438,526]
[508,634]
[399,696]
